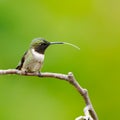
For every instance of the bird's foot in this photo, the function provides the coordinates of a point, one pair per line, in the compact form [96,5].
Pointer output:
[23,72]
[39,74]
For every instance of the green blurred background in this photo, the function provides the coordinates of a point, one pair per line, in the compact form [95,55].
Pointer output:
[94,25]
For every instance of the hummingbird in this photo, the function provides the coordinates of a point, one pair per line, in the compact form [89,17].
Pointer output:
[33,58]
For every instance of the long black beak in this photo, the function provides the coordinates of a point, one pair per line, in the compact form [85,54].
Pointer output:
[51,43]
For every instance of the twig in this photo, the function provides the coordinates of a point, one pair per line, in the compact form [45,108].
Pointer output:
[89,111]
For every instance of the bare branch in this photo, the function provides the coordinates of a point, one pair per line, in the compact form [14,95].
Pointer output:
[89,115]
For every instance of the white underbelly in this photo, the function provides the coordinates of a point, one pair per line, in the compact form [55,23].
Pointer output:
[33,63]
[32,66]
[35,66]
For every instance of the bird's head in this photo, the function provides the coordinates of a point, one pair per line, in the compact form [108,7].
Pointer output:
[40,44]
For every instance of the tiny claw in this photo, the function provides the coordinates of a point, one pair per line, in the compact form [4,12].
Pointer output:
[39,74]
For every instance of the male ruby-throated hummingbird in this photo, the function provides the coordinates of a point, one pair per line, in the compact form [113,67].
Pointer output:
[32,60]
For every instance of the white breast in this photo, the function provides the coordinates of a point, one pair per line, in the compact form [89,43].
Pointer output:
[39,57]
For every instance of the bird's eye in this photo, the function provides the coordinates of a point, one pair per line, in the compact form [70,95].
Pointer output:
[44,44]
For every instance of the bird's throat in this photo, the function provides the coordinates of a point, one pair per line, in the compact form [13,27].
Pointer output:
[38,56]
[39,49]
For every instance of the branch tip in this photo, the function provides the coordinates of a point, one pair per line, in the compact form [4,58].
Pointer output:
[70,74]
